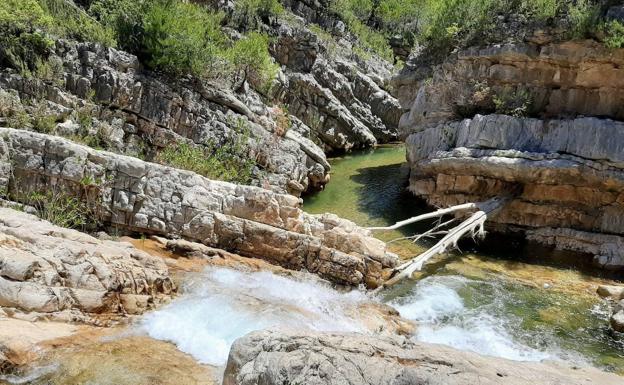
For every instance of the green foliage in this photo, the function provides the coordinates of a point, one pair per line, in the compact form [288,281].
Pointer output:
[252,60]
[124,18]
[396,14]
[513,102]
[583,16]
[356,13]
[228,161]
[22,43]
[61,208]
[182,37]
[41,120]
[71,21]
[248,13]
[614,34]
[542,9]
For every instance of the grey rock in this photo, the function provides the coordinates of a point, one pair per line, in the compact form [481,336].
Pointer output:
[272,358]
[139,196]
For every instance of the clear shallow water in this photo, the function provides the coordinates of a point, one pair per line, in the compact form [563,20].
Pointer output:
[476,301]
[221,305]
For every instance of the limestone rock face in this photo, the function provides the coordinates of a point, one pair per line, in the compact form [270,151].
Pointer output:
[333,95]
[272,358]
[138,113]
[138,196]
[567,177]
[48,269]
[559,79]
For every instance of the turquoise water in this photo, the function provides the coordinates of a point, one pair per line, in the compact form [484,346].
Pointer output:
[510,300]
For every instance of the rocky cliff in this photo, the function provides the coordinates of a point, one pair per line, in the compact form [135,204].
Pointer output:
[537,120]
[324,99]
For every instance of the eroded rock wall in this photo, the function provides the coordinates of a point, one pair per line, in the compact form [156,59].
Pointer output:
[134,195]
[558,151]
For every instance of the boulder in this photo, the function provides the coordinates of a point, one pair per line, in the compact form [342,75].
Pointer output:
[272,358]
[609,291]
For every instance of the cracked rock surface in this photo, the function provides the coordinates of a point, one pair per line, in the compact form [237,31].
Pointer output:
[272,358]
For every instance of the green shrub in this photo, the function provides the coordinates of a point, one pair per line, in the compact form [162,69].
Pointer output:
[70,21]
[21,42]
[541,9]
[41,120]
[228,161]
[124,18]
[62,209]
[583,16]
[513,102]
[252,60]
[614,34]
[248,13]
[182,37]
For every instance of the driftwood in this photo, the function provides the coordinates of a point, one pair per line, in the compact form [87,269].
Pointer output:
[473,225]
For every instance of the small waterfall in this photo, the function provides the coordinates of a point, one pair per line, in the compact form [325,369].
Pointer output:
[221,305]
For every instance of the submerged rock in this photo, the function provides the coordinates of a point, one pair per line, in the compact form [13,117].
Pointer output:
[272,358]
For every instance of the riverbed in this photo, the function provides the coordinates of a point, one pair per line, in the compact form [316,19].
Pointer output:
[503,298]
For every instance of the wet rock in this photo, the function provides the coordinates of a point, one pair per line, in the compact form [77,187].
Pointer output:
[613,292]
[617,318]
[271,357]
[137,196]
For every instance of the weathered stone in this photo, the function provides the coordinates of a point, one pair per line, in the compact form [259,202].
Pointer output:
[48,269]
[271,358]
[138,196]
[613,292]
[565,176]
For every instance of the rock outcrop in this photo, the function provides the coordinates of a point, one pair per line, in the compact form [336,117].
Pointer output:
[615,296]
[567,177]
[69,275]
[272,358]
[132,195]
[563,165]
[556,80]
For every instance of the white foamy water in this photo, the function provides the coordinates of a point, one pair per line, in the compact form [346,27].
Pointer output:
[222,305]
[443,318]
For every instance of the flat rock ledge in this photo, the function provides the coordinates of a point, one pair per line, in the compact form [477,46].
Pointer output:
[132,195]
[64,274]
[272,358]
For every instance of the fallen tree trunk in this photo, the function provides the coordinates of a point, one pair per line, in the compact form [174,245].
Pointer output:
[473,225]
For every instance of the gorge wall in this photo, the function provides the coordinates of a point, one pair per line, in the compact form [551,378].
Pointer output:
[538,120]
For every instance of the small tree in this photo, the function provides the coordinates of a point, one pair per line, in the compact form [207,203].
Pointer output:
[253,62]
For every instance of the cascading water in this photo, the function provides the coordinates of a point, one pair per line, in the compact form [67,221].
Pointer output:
[470,304]
[221,305]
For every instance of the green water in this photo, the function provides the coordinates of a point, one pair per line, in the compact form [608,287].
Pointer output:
[509,299]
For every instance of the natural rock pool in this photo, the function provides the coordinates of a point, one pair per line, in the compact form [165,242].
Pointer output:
[508,300]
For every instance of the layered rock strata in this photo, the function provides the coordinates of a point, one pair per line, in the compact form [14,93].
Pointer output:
[271,358]
[564,166]
[137,196]
[557,80]
[51,270]
[567,177]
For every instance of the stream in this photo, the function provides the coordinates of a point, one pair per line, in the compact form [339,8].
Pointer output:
[499,298]
[510,300]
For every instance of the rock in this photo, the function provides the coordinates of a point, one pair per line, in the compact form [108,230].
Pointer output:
[567,175]
[137,196]
[608,291]
[617,321]
[48,269]
[271,358]
[568,78]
